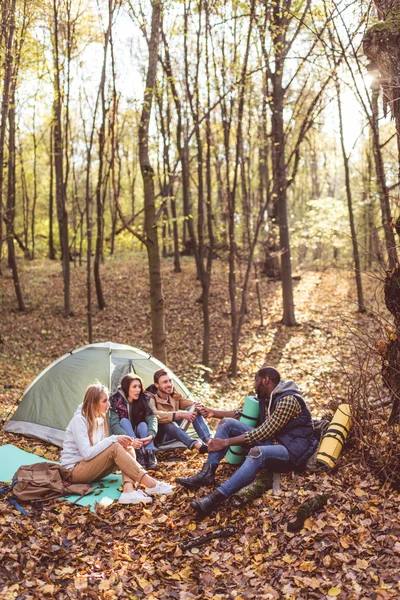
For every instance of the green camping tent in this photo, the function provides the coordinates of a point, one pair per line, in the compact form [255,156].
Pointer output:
[50,401]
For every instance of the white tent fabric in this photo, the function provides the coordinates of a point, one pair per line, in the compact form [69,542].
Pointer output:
[50,401]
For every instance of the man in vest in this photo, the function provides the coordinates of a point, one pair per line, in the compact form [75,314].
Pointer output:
[284,439]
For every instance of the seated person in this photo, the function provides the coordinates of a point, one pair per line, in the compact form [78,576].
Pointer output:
[90,453]
[170,409]
[284,440]
[131,414]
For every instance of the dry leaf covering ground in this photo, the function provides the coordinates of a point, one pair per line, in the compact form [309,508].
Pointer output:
[350,550]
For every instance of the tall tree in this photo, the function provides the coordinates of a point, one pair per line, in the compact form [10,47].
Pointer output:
[150,224]
[61,200]
[101,179]
[382,47]
[7,33]
[356,254]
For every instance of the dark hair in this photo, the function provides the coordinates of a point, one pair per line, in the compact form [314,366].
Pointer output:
[271,373]
[140,408]
[159,374]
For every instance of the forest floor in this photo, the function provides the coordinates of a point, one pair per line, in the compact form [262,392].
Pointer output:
[349,550]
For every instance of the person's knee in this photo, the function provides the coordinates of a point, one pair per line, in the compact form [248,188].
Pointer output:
[255,452]
[227,421]
[142,429]
[117,450]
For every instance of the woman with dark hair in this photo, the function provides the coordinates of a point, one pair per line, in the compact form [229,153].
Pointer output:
[132,414]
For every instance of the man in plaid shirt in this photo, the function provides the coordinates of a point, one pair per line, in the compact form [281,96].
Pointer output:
[284,439]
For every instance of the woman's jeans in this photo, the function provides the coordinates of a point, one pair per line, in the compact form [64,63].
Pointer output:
[141,432]
[172,431]
[263,455]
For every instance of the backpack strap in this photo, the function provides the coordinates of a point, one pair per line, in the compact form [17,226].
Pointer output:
[8,486]
[85,493]
[12,500]
[80,489]
[17,506]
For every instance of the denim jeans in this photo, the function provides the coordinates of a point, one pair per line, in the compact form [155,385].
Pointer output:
[201,428]
[270,456]
[172,431]
[141,432]
[227,429]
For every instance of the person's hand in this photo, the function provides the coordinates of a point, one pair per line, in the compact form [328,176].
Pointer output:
[208,413]
[216,444]
[136,443]
[146,440]
[203,410]
[183,414]
[124,440]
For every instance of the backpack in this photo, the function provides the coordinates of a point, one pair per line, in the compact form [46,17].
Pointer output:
[43,481]
[320,427]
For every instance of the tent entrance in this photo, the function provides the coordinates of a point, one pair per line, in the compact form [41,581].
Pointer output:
[119,367]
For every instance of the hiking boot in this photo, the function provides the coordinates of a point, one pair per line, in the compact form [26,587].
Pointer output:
[209,504]
[141,458]
[204,478]
[151,461]
[203,449]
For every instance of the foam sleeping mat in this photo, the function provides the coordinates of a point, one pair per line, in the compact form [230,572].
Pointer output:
[106,491]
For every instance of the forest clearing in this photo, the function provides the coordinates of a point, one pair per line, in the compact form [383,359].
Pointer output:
[350,549]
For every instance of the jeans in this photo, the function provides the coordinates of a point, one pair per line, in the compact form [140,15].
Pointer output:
[172,431]
[141,432]
[201,428]
[266,455]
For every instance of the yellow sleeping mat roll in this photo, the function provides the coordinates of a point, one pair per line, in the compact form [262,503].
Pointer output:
[335,436]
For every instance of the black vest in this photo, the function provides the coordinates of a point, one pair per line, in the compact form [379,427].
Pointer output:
[298,435]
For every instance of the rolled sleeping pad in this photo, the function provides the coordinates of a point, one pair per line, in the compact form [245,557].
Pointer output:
[250,413]
[335,436]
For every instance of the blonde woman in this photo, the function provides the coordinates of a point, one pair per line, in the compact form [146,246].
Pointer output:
[90,453]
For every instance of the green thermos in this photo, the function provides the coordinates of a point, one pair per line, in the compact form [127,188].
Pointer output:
[250,414]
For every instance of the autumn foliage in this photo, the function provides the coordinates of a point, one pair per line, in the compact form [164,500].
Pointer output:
[348,550]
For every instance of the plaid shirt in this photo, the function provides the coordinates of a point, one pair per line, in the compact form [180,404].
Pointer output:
[286,408]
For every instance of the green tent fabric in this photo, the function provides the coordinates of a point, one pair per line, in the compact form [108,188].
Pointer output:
[106,491]
[50,401]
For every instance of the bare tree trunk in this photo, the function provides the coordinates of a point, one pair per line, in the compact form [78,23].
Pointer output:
[62,214]
[356,256]
[25,204]
[11,201]
[381,45]
[280,179]
[52,251]
[203,271]
[100,194]
[235,321]
[33,215]
[381,181]
[115,177]
[150,225]
[7,30]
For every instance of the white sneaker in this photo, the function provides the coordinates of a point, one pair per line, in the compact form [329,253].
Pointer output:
[160,488]
[134,497]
